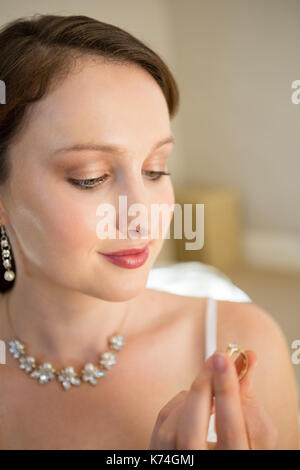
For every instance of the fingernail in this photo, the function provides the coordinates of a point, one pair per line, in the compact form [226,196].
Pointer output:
[219,362]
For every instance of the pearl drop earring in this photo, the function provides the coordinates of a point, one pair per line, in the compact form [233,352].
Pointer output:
[9,275]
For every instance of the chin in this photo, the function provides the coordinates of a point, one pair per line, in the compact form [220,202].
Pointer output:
[122,294]
[117,289]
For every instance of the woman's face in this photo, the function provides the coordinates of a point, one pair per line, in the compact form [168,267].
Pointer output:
[52,221]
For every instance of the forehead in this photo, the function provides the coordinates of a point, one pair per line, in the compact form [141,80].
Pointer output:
[120,103]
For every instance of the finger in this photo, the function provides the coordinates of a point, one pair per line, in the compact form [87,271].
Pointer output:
[230,425]
[262,433]
[167,434]
[239,365]
[208,365]
[164,431]
[194,420]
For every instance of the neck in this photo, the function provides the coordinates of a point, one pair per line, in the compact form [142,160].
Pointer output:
[63,326]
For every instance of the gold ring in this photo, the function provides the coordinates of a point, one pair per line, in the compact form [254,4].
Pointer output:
[231,349]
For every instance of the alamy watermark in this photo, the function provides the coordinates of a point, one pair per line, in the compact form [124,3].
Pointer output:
[296,354]
[160,214]
[2,92]
[295,97]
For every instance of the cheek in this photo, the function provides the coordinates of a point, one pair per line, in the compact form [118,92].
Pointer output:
[73,225]
[167,196]
[164,196]
[52,227]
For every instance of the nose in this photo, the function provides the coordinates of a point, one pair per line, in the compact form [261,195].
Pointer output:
[138,233]
[134,211]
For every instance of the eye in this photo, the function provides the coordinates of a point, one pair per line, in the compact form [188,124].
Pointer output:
[155,175]
[88,183]
[94,182]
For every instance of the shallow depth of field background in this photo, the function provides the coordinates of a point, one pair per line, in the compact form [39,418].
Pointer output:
[237,131]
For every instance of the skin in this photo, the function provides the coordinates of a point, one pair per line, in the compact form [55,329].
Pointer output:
[240,417]
[259,412]
[52,224]
[52,227]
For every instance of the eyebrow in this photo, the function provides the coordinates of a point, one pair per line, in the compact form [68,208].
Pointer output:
[110,148]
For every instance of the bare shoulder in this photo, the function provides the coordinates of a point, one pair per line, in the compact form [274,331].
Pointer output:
[251,323]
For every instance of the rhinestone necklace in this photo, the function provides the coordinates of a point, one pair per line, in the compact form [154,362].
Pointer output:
[44,372]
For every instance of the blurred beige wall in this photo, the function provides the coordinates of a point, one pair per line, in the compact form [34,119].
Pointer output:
[234,61]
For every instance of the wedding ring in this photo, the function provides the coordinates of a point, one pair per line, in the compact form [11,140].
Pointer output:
[233,348]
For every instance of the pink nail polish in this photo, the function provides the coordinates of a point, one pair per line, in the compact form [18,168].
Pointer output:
[219,363]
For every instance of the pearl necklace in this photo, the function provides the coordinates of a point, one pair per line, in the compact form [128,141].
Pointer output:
[44,372]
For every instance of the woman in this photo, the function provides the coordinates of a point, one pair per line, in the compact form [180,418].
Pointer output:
[73,86]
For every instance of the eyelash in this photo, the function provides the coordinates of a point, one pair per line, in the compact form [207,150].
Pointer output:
[84,184]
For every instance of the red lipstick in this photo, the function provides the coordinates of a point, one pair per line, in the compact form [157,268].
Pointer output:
[130,258]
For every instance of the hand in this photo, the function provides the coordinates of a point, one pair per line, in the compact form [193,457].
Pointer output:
[241,420]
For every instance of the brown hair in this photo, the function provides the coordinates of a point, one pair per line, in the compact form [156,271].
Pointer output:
[36,51]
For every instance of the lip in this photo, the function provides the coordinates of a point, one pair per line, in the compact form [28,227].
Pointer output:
[130,251]
[129,259]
